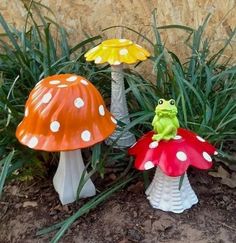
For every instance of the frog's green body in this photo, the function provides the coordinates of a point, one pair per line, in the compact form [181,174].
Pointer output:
[165,122]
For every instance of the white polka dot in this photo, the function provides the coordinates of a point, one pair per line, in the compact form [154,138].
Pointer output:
[207,157]
[55,82]
[21,131]
[72,78]
[86,135]
[82,81]
[39,83]
[123,51]
[177,137]
[215,153]
[24,138]
[94,49]
[200,139]
[153,145]
[133,145]
[113,120]
[138,46]
[78,102]
[54,126]
[122,40]
[46,98]
[181,156]
[62,86]
[101,110]
[33,142]
[98,59]
[116,63]
[26,111]
[19,124]
[148,165]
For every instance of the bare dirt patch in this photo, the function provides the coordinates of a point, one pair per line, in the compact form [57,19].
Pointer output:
[125,217]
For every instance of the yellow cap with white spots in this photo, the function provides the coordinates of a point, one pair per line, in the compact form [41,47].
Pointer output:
[117,51]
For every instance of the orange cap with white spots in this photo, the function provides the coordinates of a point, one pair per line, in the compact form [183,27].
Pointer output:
[64,112]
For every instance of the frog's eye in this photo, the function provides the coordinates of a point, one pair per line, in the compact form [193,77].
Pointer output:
[172,102]
[160,102]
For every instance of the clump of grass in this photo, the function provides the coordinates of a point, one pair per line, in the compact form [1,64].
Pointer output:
[204,87]
[40,49]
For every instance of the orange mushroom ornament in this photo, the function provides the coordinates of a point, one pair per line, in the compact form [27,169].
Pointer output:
[66,113]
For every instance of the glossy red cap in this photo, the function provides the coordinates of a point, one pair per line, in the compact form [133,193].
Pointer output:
[173,156]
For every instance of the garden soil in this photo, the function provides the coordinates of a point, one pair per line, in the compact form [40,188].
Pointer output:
[124,218]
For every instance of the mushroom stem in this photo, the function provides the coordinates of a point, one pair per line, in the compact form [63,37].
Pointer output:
[68,176]
[163,193]
[149,189]
[119,108]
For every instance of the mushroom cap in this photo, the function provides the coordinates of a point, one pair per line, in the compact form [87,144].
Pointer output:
[117,51]
[64,112]
[173,156]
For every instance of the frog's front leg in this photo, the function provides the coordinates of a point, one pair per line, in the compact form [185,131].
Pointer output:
[169,132]
[155,121]
[157,137]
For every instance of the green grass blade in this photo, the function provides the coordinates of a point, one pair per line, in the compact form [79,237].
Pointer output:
[181,181]
[12,38]
[215,58]
[96,154]
[83,43]
[176,26]
[7,161]
[84,209]
[130,29]
[156,32]
[100,199]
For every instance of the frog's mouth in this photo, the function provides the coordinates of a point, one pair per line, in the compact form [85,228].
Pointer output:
[167,112]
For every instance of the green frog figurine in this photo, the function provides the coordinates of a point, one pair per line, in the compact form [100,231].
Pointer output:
[165,122]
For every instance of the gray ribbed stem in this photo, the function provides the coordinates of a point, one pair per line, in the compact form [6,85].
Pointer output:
[68,175]
[119,107]
[163,193]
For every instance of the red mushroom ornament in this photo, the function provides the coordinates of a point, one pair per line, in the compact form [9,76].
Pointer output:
[172,150]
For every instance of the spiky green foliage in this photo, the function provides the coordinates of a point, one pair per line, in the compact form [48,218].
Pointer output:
[204,87]
[40,49]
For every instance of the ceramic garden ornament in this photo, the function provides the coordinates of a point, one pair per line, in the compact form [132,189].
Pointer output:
[66,113]
[172,150]
[117,52]
[165,122]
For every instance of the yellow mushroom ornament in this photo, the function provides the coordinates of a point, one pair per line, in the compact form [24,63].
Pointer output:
[117,52]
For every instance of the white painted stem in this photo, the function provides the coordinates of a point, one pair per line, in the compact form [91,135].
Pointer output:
[163,193]
[68,175]
[119,107]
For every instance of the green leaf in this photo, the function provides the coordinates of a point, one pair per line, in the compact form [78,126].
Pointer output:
[7,160]
[132,30]
[85,42]
[96,153]
[64,225]
[181,181]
